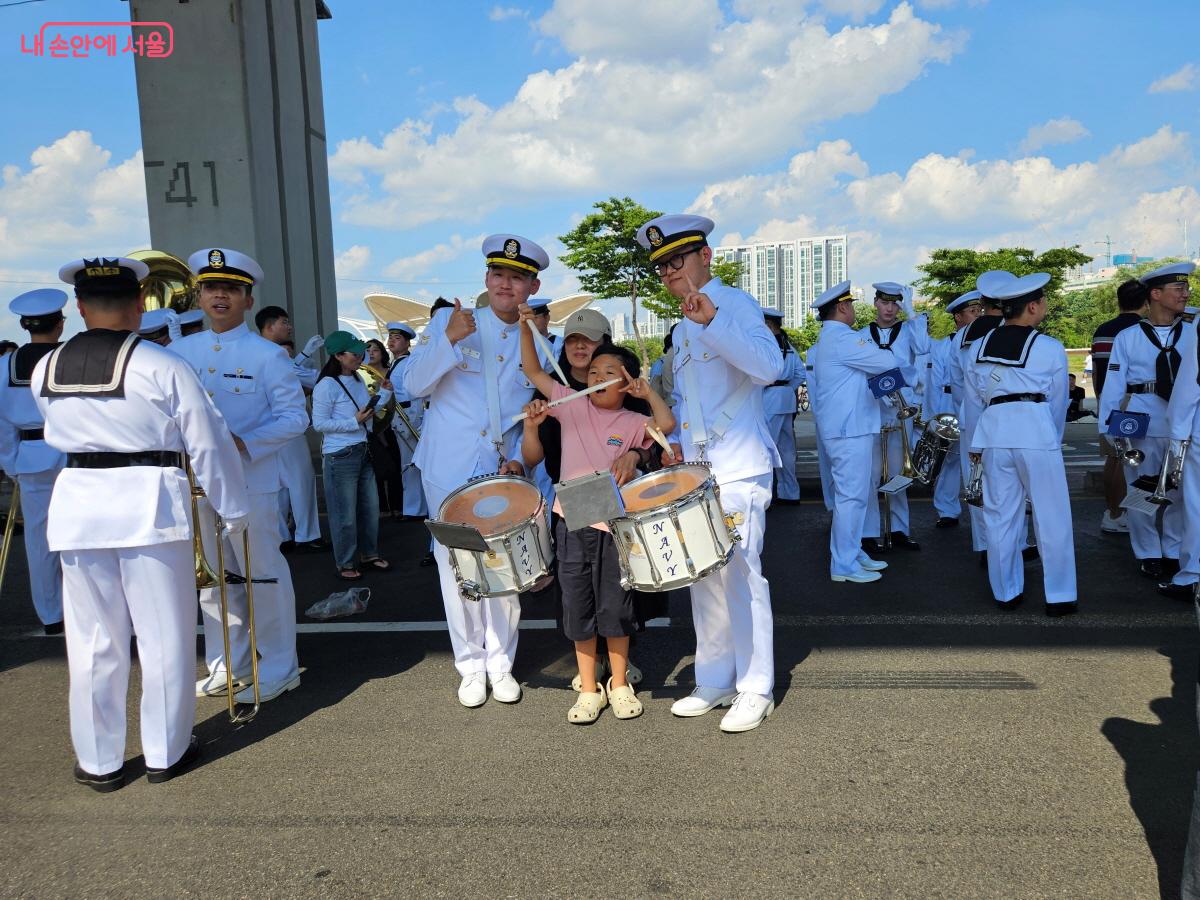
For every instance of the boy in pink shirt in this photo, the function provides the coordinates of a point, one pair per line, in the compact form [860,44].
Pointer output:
[596,430]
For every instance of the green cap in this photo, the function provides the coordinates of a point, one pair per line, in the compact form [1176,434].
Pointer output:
[341,341]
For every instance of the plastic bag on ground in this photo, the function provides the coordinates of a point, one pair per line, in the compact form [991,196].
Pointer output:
[340,603]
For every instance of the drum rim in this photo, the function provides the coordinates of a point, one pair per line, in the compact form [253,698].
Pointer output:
[539,511]
[666,507]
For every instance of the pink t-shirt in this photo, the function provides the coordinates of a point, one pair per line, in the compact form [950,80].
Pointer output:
[592,437]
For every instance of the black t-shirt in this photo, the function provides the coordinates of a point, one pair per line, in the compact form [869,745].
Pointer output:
[1102,344]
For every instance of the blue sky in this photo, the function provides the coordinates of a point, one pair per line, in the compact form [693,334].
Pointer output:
[907,126]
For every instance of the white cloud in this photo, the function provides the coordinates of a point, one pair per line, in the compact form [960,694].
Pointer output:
[712,96]
[855,10]
[1185,79]
[1063,130]
[421,263]
[500,13]
[894,218]
[352,262]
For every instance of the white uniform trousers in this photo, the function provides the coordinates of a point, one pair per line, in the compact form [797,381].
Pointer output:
[978,522]
[483,633]
[823,469]
[274,604]
[731,608]
[45,570]
[783,433]
[410,477]
[949,486]
[299,492]
[110,596]
[1158,535]
[852,486]
[1009,477]
[1189,548]
[899,500]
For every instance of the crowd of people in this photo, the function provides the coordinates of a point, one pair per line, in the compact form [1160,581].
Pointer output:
[113,432]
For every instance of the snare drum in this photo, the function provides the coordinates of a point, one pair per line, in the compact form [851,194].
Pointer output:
[674,531]
[510,514]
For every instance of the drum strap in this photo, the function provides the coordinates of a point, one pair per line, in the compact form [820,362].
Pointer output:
[491,380]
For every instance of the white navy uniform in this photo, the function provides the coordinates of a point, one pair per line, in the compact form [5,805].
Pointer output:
[719,373]
[779,406]
[848,419]
[1021,443]
[964,344]
[823,468]
[939,399]
[455,446]
[125,538]
[906,340]
[1130,385]
[414,408]
[252,383]
[298,494]
[34,464]
[1183,424]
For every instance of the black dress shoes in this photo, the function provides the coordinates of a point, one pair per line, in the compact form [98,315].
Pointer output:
[190,755]
[947,522]
[1029,554]
[53,628]
[983,559]
[1177,591]
[1054,610]
[872,546]
[316,546]
[102,784]
[1010,605]
[287,547]
[1169,567]
[427,560]
[1151,568]
[902,541]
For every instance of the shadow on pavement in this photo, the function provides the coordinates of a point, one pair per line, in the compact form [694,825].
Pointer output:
[1160,768]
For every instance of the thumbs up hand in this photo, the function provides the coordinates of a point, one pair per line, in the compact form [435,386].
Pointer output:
[461,324]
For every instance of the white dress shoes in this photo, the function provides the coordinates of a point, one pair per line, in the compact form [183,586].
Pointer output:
[748,713]
[862,576]
[472,691]
[214,685]
[268,690]
[871,565]
[701,700]
[505,688]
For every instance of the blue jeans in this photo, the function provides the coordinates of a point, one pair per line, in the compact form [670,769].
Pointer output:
[353,505]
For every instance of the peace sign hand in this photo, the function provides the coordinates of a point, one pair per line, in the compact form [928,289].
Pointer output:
[697,306]
[635,387]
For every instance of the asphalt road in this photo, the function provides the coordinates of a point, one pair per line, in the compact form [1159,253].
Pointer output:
[923,745]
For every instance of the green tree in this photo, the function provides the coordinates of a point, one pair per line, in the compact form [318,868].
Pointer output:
[603,250]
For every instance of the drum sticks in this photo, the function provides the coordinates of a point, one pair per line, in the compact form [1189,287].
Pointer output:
[575,396]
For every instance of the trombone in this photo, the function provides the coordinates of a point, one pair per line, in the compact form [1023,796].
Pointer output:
[206,578]
[10,529]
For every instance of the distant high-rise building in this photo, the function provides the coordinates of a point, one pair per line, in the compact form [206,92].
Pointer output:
[1129,259]
[789,275]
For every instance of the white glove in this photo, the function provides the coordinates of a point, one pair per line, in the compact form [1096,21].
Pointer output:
[234,526]
[314,344]
[174,329]
[906,303]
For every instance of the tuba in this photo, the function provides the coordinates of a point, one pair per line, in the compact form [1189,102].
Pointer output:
[373,378]
[935,442]
[170,284]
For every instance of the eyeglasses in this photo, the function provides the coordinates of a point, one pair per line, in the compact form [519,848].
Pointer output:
[674,264]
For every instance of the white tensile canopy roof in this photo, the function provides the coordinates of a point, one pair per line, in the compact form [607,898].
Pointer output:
[386,308]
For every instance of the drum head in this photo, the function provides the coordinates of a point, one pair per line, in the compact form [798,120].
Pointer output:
[662,487]
[493,505]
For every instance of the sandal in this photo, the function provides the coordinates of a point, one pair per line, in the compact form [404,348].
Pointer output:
[587,707]
[625,704]
[378,564]
[349,574]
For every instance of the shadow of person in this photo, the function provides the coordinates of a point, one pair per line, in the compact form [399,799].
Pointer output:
[1160,768]
[333,668]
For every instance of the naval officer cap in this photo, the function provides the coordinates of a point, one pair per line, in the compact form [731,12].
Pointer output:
[963,301]
[540,305]
[154,321]
[401,328]
[191,317]
[115,275]
[770,312]
[1168,274]
[836,293]
[667,236]
[515,252]
[39,304]
[220,264]
[1019,291]
[888,290]
[992,281]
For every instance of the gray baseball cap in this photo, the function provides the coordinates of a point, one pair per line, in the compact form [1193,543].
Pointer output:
[591,323]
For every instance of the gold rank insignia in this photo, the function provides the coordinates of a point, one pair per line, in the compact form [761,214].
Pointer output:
[654,235]
[216,259]
[512,248]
